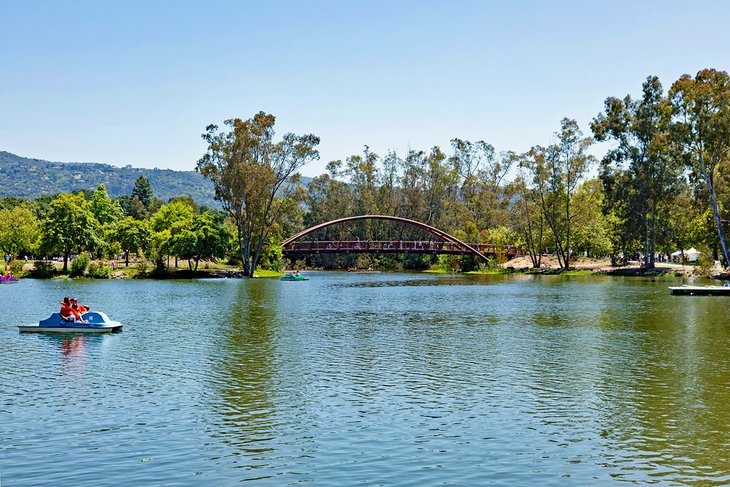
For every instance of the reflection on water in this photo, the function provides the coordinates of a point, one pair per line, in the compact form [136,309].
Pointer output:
[244,374]
[73,356]
[383,379]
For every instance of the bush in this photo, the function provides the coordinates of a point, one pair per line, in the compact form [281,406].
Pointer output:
[97,270]
[42,269]
[705,265]
[142,269]
[16,267]
[80,265]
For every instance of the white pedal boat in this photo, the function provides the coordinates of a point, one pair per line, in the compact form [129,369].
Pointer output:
[96,322]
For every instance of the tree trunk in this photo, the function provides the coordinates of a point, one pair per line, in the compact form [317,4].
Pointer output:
[247,256]
[65,261]
[718,222]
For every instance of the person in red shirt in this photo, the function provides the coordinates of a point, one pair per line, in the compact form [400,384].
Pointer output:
[68,313]
[79,308]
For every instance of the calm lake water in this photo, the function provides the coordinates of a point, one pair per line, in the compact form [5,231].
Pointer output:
[374,379]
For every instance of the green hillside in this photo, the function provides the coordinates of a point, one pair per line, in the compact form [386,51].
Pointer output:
[30,178]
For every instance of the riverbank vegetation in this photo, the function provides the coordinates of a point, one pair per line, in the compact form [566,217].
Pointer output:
[652,177]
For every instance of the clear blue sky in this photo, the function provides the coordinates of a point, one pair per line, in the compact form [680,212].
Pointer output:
[137,82]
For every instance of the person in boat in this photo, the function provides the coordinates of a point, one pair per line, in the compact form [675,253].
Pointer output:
[80,308]
[68,313]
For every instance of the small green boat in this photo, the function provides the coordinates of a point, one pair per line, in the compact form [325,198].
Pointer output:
[294,276]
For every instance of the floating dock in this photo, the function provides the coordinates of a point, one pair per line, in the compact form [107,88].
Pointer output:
[700,290]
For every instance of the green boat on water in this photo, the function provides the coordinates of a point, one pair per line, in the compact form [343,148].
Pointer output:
[294,276]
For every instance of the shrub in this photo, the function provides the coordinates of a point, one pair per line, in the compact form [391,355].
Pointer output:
[80,265]
[142,269]
[705,265]
[42,269]
[16,267]
[97,270]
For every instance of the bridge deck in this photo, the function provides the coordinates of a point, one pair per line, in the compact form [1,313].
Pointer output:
[392,246]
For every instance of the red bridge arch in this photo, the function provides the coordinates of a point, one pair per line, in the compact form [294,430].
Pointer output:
[464,247]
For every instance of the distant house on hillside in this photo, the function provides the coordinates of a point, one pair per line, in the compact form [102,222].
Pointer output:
[77,176]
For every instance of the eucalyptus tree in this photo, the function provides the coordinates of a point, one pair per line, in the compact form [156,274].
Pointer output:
[363,174]
[390,176]
[439,188]
[640,130]
[528,220]
[593,227]
[412,201]
[482,171]
[556,171]
[702,124]
[253,176]
[328,199]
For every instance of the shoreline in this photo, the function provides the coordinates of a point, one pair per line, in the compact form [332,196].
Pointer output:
[519,265]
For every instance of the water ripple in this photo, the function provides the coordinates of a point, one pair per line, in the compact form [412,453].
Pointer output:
[381,379]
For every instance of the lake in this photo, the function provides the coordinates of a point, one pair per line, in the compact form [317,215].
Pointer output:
[368,378]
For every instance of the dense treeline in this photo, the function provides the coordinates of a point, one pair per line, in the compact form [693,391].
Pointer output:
[94,225]
[663,184]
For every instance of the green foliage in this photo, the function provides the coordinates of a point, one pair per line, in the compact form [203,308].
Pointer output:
[702,128]
[106,211]
[19,230]
[16,267]
[70,226]
[254,177]
[32,178]
[143,269]
[133,236]
[80,265]
[705,263]
[42,269]
[202,237]
[143,191]
[99,270]
[639,175]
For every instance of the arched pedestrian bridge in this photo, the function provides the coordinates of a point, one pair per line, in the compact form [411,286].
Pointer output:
[439,243]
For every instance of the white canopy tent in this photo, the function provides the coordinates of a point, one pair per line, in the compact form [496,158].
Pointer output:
[691,255]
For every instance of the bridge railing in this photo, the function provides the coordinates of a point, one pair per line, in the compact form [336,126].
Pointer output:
[392,246]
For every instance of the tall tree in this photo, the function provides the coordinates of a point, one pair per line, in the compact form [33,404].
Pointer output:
[19,230]
[205,238]
[105,210]
[556,172]
[702,123]
[70,226]
[640,130]
[143,191]
[529,220]
[170,218]
[253,175]
[133,236]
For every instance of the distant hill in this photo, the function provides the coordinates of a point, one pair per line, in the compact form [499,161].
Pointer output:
[30,178]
